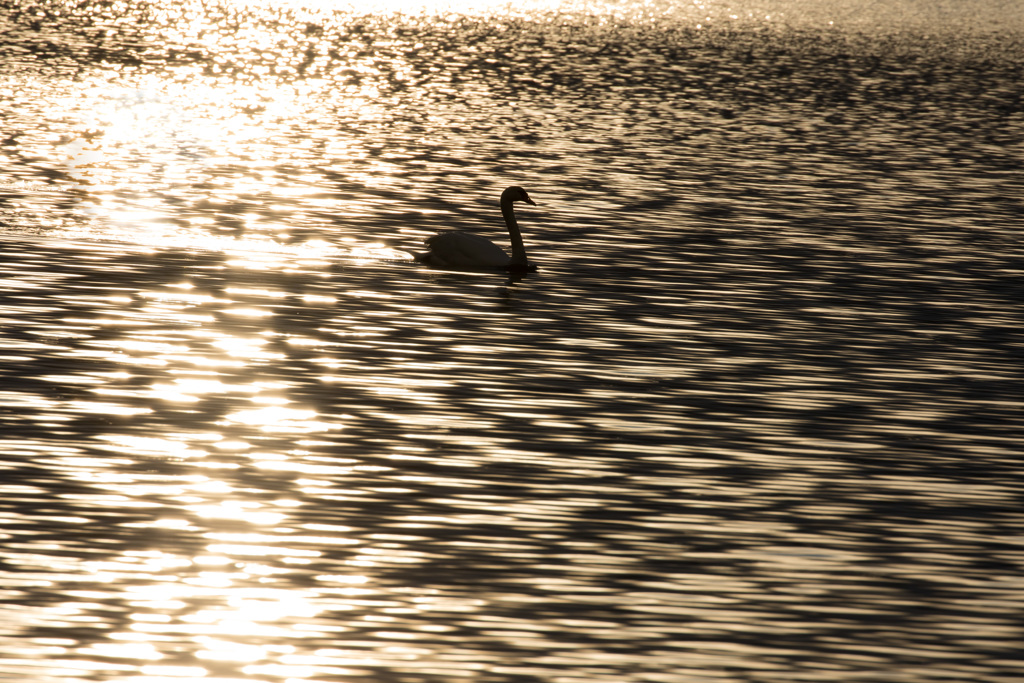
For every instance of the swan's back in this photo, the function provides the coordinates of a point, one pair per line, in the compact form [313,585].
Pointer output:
[464,249]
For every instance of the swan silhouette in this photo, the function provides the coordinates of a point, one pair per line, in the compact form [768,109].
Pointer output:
[466,250]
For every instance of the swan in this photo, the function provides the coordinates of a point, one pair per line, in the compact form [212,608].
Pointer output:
[466,250]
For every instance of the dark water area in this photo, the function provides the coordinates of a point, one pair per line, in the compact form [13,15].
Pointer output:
[755,418]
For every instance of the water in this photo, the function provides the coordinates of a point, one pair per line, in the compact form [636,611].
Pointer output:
[757,417]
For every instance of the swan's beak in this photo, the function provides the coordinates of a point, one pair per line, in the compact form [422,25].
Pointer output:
[526,198]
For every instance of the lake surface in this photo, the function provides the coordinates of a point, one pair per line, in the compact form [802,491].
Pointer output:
[756,418]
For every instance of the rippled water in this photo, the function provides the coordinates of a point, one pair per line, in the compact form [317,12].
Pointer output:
[757,417]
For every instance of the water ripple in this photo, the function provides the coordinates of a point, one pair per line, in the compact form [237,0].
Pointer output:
[755,417]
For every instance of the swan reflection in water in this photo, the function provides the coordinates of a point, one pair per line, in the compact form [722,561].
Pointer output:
[466,250]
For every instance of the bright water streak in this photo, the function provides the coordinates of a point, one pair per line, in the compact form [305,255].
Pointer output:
[756,418]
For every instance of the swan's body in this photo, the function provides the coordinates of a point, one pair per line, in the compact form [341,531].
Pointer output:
[466,250]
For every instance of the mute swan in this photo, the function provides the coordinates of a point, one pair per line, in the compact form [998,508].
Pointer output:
[466,250]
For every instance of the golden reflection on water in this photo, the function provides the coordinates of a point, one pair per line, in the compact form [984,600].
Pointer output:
[226,602]
[758,406]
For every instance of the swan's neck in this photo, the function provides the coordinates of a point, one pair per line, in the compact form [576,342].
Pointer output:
[515,237]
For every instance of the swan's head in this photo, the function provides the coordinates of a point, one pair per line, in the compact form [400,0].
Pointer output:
[517,194]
